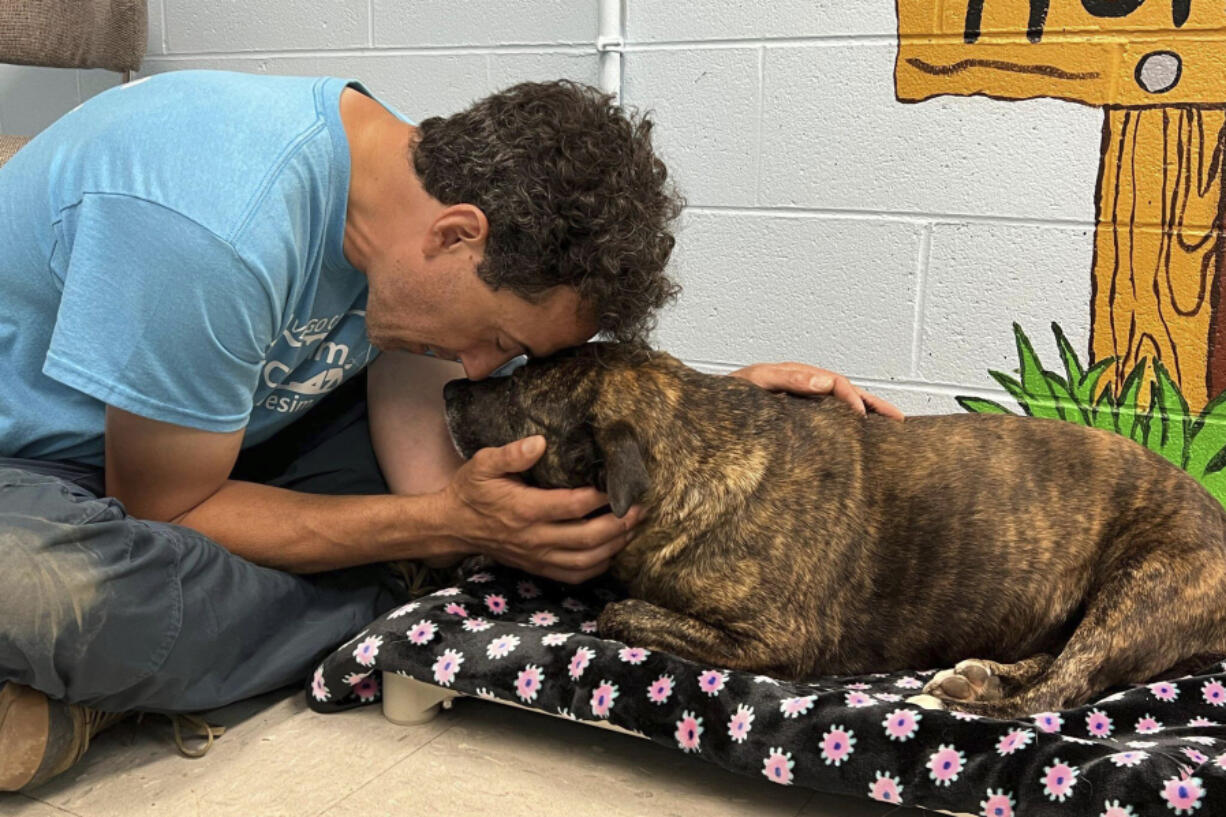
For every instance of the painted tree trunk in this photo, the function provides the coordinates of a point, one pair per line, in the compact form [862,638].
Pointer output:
[1158,246]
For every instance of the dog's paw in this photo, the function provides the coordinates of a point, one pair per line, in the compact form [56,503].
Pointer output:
[925,702]
[615,620]
[970,680]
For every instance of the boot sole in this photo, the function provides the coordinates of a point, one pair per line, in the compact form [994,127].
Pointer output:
[25,725]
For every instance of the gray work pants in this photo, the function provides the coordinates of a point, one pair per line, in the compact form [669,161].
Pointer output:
[118,613]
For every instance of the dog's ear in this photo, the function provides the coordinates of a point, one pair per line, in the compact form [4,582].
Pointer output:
[625,474]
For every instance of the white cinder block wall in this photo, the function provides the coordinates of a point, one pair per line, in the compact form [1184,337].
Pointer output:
[827,222]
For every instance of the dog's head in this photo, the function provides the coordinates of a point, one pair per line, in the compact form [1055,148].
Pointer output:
[570,399]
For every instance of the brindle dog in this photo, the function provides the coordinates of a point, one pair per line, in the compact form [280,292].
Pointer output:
[793,537]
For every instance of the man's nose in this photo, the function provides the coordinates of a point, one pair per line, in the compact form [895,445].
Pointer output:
[475,367]
[480,365]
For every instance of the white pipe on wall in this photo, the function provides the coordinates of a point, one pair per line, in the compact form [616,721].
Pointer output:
[609,42]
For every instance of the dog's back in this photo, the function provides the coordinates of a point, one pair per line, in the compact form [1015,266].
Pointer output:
[795,538]
[990,530]
[881,545]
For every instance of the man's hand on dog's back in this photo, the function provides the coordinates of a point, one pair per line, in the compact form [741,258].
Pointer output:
[804,380]
[533,529]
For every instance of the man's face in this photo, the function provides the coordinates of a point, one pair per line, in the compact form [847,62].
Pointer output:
[459,317]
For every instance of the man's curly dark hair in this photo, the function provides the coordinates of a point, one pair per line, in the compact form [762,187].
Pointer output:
[573,193]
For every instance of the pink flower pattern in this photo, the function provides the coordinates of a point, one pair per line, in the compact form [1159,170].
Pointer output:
[1098,724]
[1059,779]
[1164,691]
[793,707]
[901,724]
[318,688]
[778,767]
[465,632]
[423,632]
[404,609]
[1183,794]
[1016,739]
[946,764]
[543,618]
[660,690]
[837,745]
[633,655]
[1194,755]
[740,723]
[579,661]
[999,803]
[602,699]
[712,681]
[502,646]
[446,667]
[366,689]
[528,683]
[689,732]
[476,625]
[1049,721]
[1148,725]
[1132,758]
[365,652]
[886,788]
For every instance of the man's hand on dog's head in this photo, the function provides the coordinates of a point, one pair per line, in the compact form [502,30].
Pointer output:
[537,530]
[804,380]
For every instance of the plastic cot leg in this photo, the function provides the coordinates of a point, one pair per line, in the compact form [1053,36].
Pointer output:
[407,701]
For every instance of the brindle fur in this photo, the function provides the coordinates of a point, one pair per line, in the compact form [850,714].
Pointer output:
[792,537]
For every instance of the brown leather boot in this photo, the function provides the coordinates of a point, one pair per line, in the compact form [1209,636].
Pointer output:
[40,738]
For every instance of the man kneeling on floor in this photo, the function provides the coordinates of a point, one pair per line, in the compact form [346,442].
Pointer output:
[231,303]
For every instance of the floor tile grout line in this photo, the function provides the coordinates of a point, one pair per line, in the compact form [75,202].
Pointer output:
[382,772]
[50,804]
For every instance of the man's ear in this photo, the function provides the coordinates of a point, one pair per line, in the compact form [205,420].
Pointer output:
[460,223]
[626,480]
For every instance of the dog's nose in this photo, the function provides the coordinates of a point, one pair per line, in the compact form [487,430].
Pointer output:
[451,390]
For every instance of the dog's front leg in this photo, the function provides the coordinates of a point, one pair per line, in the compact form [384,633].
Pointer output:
[642,624]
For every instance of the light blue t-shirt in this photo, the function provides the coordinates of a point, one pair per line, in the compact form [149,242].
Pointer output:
[173,247]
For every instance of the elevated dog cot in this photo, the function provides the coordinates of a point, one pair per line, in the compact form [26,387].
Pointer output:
[520,640]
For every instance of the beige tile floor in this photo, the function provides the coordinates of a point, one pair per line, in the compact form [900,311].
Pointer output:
[279,758]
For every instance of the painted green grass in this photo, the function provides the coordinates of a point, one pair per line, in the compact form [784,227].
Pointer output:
[1197,445]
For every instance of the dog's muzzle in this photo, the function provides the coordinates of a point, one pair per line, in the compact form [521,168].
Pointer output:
[452,390]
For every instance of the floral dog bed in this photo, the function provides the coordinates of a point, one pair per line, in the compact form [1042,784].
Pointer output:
[499,634]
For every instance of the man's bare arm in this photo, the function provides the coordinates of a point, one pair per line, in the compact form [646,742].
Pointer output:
[174,474]
[407,426]
[408,429]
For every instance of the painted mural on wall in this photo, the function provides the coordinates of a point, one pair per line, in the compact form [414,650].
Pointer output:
[1156,369]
